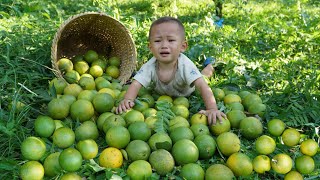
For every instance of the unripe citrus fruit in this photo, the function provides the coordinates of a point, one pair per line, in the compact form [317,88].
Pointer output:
[293,175]
[31,170]
[70,176]
[180,110]
[113,71]
[281,163]
[185,151]
[69,99]
[102,83]
[118,137]
[81,110]
[33,148]
[235,117]
[141,106]
[44,126]
[198,119]
[133,116]
[149,99]
[304,164]
[309,147]
[139,169]
[231,98]
[114,61]
[160,140]
[276,127]
[73,89]
[70,159]
[251,99]
[65,65]
[87,95]
[219,171]
[58,84]
[261,164]
[149,112]
[181,133]
[72,76]
[178,121]
[220,127]
[165,98]
[192,171]
[112,121]
[102,118]
[139,130]
[199,129]
[88,148]
[265,145]
[240,164]
[81,67]
[91,56]
[257,108]
[181,101]
[218,93]
[51,165]
[63,137]
[96,71]
[58,109]
[206,146]
[228,143]
[138,150]
[251,127]
[290,137]
[100,62]
[87,130]
[87,83]
[235,106]
[103,102]
[243,94]
[162,161]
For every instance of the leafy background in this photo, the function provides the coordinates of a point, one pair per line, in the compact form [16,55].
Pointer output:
[267,46]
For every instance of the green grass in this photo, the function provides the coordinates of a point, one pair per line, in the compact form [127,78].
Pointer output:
[270,47]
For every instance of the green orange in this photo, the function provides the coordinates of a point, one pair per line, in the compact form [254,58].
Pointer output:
[70,159]
[192,171]
[185,151]
[44,126]
[139,169]
[88,148]
[51,165]
[32,170]
[118,137]
[33,148]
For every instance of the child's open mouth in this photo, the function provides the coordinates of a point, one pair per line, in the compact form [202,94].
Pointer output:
[164,53]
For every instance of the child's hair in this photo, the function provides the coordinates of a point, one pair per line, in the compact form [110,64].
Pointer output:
[166,19]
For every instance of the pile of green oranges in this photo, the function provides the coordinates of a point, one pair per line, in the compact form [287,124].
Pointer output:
[158,136]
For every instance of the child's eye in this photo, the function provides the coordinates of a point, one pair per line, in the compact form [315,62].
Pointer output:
[171,40]
[156,40]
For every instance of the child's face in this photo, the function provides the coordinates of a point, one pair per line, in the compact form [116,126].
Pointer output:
[167,42]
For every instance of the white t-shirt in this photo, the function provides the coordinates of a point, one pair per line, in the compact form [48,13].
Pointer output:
[180,85]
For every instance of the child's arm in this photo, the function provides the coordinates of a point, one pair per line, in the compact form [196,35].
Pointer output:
[128,101]
[212,111]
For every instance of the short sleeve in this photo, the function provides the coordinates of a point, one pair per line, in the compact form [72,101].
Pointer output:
[190,71]
[145,73]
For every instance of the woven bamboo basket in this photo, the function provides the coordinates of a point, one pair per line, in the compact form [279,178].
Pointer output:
[95,31]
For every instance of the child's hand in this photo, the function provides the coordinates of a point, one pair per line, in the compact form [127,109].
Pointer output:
[212,115]
[124,105]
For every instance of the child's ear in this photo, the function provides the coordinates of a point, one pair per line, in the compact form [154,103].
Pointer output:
[184,46]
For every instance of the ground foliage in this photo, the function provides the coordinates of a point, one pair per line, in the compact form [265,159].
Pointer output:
[270,47]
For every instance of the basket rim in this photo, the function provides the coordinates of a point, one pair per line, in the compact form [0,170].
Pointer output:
[54,48]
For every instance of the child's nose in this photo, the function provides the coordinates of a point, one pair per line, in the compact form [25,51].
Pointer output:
[165,44]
